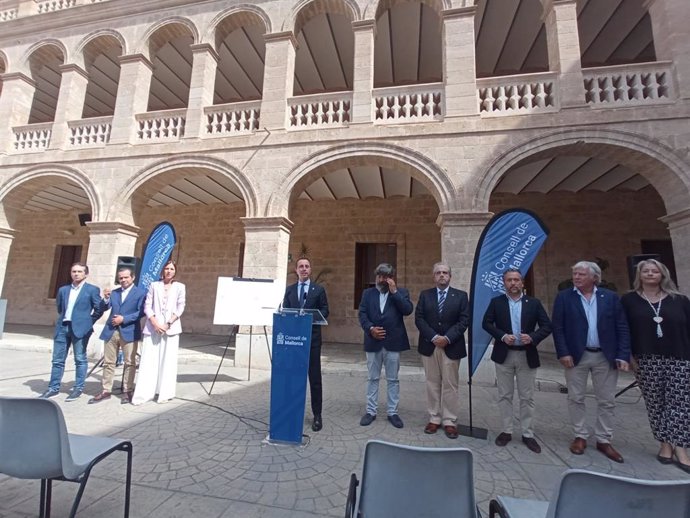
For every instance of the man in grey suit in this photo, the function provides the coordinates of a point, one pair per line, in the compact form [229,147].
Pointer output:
[442,316]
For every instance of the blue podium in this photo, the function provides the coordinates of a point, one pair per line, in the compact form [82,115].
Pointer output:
[291,345]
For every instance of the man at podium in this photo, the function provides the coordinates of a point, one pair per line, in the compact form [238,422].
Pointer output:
[309,295]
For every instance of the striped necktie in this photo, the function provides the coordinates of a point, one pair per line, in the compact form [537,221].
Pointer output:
[302,294]
[441,301]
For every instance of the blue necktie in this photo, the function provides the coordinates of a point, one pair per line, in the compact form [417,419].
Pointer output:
[302,294]
[441,301]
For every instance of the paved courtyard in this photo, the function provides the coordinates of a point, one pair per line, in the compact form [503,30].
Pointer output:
[205,456]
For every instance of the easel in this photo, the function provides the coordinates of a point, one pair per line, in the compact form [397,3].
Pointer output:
[247,302]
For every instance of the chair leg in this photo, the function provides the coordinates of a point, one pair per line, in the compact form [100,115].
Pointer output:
[46,495]
[128,481]
[42,507]
[80,493]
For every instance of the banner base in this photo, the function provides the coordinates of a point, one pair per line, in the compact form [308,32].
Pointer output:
[275,442]
[472,431]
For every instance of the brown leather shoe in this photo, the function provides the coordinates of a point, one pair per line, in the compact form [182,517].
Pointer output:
[577,447]
[503,439]
[610,452]
[532,444]
[101,396]
[126,398]
[431,427]
[451,431]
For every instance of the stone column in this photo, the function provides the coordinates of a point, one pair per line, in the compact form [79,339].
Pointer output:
[679,228]
[459,64]
[563,40]
[204,64]
[15,106]
[70,103]
[279,78]
[671,43]
[132,97]
[265,257]
[363,74]
[107,241]
[6,237]
[460,233]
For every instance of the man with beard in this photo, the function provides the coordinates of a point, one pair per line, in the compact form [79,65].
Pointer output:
[381,313]
[512,320]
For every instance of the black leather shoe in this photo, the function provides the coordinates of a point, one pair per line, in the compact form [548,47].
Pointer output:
[48,394]
[395,420]
[367,419]
[503,438]
[532,444]
[317,424]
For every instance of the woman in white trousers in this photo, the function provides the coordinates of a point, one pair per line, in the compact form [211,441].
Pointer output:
[165,302]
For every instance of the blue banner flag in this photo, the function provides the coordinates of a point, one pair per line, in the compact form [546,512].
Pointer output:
[157,251]
[511,239]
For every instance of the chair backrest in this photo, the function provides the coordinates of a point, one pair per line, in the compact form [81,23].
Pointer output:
[408,481]
[596,495]
[33,438]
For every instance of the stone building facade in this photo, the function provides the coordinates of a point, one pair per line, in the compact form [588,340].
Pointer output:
[354,128]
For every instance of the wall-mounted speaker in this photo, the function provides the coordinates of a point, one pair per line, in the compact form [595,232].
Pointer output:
[84,219]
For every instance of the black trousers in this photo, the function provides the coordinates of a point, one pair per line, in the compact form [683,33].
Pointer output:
[315,388]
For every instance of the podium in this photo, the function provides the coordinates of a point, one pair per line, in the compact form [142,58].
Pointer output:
[291,347]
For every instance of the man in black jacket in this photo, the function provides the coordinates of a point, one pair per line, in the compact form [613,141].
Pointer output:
[512,320]
[442,316]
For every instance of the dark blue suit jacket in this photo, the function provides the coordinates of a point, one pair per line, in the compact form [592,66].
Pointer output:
[398,305]
[570,326]
[452,323]
[316,299]
[131,310]
[87,309]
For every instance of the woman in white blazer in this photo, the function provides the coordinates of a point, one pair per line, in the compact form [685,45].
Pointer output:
[165,302]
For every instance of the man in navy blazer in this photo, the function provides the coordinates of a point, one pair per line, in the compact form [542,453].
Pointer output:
[78,306]
[123,329]
[442,316]
[591,334]
[309,295]
[512,320]
[381,313]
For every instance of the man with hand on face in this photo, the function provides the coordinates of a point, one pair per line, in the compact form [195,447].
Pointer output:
[381,313]
[442,316]
[78,306]
[123,329]
[591,335]
[512,320]
[309,295]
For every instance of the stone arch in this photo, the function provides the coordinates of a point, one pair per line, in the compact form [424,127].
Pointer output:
[665,170]
[419,166]
[374,9]
[41,47]
[106,34]
[304,10]
[164,30]
[4,62]
[237,16]
[46,170]
[121,208]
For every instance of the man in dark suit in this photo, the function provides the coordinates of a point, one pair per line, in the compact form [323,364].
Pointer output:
[123,330]
[381,313]
[591,334]
[309,295]
[78,307]
[442,316]
[512,320]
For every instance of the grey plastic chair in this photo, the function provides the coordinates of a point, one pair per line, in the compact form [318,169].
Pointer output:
[34,444]
[596,495]
[408,481]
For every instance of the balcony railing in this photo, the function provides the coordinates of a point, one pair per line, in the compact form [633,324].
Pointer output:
[318,110]
[414,103]
[518,95]
[32,137]
[54,5]
[8,14]
[233,118]
[161,126]
[23,8]
[628,85]
[90,132]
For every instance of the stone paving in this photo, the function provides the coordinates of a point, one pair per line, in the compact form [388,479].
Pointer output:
[205,456]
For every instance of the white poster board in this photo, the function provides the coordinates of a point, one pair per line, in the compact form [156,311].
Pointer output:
[247,302]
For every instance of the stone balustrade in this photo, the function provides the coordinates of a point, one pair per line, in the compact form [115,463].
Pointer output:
[55,5]
[232,118]
[8,14]
[32,137]
[161,126]
[412,103]
[90,132]
[631,85]
[327,109]
[518,95]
